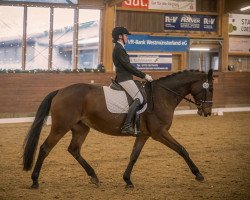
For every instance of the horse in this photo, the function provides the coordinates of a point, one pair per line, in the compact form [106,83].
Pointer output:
[79,107]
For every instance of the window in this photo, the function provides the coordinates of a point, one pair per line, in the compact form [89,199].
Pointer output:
[11,37]
[62,38]
[37,44]
[46,1]
[203,60]
[88,39]
[204,55]
[48,29]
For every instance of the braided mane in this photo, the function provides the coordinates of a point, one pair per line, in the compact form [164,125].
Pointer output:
[181,72]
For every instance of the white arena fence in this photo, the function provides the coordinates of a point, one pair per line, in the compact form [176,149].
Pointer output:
[215,111]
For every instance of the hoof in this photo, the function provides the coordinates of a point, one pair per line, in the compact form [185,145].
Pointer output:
[129,186]
[199,177]
[95,181]
[34,186]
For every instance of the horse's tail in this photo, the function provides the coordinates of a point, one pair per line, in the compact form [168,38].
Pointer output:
[31,140]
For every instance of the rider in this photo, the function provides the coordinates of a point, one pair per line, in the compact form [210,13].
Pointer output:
[124,75]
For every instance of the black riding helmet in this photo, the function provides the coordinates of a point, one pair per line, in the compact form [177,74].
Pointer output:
[119,30]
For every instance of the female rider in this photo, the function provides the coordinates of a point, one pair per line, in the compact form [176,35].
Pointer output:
[124,76]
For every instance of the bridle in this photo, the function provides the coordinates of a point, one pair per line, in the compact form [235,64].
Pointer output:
[199,103]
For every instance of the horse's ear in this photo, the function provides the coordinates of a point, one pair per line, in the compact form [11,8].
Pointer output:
[210,75]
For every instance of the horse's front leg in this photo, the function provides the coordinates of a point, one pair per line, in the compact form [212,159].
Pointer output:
[138,145]
[165,138]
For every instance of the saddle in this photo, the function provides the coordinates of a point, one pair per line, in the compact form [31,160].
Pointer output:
[116,86]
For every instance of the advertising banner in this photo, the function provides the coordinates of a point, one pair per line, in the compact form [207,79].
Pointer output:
[135,4]
[150,61]
[147,43]
[190,22]
[241,45]
[239,24]
[184,5]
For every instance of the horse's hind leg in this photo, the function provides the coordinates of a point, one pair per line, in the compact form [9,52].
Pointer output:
[165,138]
[79,133]
[138,145]
[45,148]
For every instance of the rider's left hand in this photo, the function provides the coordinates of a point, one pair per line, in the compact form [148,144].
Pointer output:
[148,78]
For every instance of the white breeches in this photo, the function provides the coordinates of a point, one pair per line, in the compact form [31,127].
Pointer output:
[132,89]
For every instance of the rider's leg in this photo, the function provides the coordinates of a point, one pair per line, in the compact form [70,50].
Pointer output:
[128,127]
[134,92]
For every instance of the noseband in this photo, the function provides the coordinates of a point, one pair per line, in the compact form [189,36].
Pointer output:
[198,103]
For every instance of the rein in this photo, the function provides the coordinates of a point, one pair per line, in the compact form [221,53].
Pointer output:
[177,94]
[197,104]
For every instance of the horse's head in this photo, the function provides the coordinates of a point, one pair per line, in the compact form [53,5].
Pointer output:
[202,92]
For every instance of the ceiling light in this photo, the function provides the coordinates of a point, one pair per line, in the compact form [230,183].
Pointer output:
[199,49]
[245,8]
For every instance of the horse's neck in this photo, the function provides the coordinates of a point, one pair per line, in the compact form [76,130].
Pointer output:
[180,85]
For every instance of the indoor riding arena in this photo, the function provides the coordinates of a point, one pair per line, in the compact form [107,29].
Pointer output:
[61,121]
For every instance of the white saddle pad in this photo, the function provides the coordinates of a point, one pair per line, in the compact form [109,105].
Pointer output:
[117,101]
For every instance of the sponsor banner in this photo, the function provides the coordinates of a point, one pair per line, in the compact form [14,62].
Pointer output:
[151,61]
[143,4]
[185,5]
[239,24]
[239,45]
[146,43]
[190,22]
[182,5]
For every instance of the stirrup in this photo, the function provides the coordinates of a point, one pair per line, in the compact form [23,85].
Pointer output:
[129,130]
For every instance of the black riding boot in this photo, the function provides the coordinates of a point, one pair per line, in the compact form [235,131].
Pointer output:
[128,125]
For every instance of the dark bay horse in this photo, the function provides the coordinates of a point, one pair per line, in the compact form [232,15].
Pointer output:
[79,107]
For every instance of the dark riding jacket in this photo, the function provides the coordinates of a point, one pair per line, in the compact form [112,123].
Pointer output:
[124,69]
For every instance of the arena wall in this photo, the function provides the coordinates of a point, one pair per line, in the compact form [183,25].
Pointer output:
[22,93]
